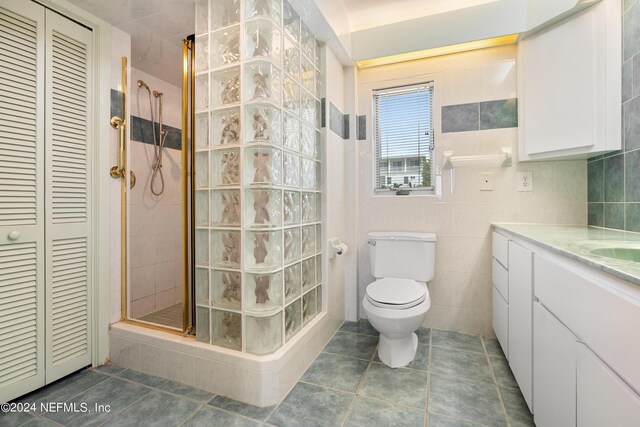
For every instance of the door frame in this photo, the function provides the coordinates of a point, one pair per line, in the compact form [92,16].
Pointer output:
[100,164]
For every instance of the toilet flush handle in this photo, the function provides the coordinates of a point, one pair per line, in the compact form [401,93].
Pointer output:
[14,235]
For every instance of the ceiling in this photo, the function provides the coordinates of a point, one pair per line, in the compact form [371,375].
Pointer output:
[157,28]
[365,14]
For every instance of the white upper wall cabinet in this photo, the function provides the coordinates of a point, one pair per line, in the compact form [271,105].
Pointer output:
[569,86]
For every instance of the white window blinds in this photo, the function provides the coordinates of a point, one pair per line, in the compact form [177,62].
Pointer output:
[404,137]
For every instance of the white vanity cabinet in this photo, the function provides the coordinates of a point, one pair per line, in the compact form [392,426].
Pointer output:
[554,379]
[586,346]
[521,318]
[571,332]
[512,308]
[500,295]
[569,86]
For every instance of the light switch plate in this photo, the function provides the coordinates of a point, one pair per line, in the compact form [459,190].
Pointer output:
[486,181]
[525,180]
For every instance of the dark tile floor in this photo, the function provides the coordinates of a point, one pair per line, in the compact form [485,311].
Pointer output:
[455,380]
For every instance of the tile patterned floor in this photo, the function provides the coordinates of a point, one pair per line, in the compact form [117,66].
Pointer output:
[169,316]
[455,380]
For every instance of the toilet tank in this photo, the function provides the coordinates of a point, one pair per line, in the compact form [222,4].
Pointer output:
[404,255]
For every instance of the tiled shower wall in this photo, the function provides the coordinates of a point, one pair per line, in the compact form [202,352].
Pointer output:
[614,179]
[154,221]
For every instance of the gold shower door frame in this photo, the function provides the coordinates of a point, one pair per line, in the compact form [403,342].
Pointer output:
[187,160]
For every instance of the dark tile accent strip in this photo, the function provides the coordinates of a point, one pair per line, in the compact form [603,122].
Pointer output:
[338,122]
[323,112]
[116,103]
[460,118]
[499,114]
[141,130]
[346,132]
[361,128]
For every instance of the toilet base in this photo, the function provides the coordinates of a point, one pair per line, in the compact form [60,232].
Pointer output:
[397,352]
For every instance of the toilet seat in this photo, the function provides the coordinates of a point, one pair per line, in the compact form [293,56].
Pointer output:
[394,293]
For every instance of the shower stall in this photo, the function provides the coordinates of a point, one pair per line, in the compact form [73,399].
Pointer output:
[224,228]
[156,199]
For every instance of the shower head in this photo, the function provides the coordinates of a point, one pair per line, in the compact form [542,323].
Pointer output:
[157,94]
[142,85]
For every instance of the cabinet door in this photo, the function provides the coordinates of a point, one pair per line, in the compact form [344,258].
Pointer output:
[569,86]
[554,371]
[21,198]
[68,203]
[603,398]
[521,318]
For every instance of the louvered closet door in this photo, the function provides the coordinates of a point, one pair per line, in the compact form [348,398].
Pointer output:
[67,199]
[21,203]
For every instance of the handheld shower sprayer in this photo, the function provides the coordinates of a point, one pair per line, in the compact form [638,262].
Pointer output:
[158,140]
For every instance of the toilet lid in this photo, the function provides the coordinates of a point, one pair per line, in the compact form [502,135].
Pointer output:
[396,293]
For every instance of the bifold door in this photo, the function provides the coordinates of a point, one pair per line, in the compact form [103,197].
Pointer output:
[45,157]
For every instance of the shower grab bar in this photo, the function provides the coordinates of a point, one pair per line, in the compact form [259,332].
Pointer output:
[118,171]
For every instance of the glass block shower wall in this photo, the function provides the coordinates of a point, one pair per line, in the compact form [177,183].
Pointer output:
[258,174]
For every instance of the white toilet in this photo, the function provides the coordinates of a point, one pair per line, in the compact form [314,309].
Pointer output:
[398,300]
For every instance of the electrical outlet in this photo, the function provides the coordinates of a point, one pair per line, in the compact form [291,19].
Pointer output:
[525,181]
[486,181]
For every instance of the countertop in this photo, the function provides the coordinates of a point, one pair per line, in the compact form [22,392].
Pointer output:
[575,241]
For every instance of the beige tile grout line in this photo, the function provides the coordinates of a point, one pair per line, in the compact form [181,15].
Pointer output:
[201,403]
[495,383]
[364,376]
[39,415]
[426,413]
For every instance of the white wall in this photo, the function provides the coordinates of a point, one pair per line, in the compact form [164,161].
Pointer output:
[461,289]
[335,207]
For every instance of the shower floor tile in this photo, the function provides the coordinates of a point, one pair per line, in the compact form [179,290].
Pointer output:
[169,316]
[346,389]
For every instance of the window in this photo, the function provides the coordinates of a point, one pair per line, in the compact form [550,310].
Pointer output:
[403,136]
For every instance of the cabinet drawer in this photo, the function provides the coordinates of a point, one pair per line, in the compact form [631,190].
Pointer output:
[500,248]
[605,320]
[500,277]
[501,321]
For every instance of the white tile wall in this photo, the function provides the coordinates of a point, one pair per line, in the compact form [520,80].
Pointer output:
[155,241]
[461,218]
[335,197]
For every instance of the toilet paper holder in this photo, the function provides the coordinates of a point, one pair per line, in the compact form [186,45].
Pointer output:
[337,247]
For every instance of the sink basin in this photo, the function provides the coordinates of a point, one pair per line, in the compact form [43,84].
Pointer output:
[622,254]
[618,250]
